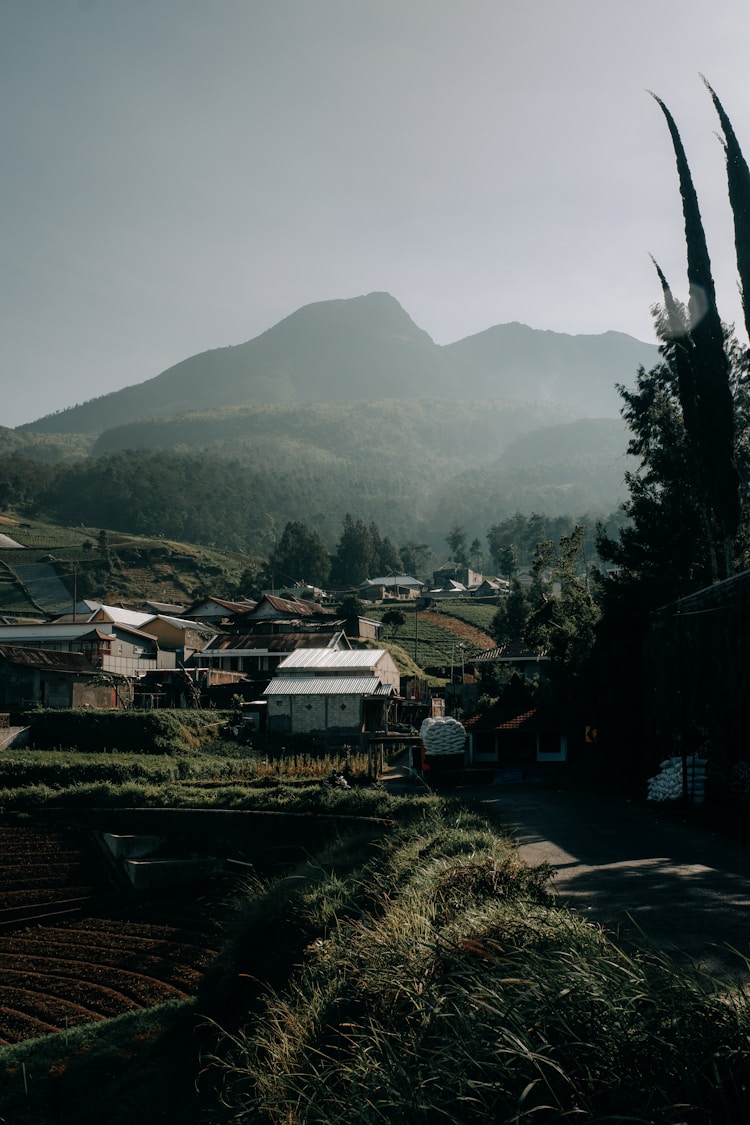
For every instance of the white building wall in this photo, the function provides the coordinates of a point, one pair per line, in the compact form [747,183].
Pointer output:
[307,713]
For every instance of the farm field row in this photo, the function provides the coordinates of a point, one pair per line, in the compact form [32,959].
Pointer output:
[76,949]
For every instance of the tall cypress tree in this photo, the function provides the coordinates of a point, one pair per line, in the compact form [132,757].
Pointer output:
[738,181]
[711,407]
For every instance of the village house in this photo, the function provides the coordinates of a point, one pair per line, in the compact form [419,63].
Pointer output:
[109,646]
[256,656]
[36,677]
[400,586]
[273,614]
[491,588]
[179,635]
[462,576]
[516,736]
[332,692]
[216,611]
[517,657]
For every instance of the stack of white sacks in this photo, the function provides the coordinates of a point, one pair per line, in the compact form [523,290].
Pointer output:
[442,736]
[667,785]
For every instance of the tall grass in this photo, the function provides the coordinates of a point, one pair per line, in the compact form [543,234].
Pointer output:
[30,778]
[455,991]
[424,975]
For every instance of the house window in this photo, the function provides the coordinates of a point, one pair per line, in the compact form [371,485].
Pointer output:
[551,747]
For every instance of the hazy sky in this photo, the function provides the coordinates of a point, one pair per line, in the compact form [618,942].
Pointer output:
[182,174]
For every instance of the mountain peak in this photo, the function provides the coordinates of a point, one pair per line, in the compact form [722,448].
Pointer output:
[368,348]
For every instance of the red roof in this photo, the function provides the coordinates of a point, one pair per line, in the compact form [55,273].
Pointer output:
[503,717]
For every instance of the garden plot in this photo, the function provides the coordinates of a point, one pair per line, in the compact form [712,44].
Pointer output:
[114,955]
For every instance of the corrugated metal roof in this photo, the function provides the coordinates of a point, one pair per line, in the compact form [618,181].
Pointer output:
[182,623]
[67,631]
[392,580]
[130,617]
[15,634]
[327,685]
[44,658]
[340,659]
[259,643]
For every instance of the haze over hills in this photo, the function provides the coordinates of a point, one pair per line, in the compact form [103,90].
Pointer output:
[367,349]
[343,407]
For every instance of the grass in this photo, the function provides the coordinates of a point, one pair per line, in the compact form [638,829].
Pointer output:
[478,613]
[240,779]
[420,974]
[142,566]
[446,987]
[434,638]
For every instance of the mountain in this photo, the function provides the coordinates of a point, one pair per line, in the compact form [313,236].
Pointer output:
[569,467]
[367,348]
[580,371]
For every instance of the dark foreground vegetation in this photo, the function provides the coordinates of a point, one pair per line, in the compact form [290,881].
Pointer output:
[420,974]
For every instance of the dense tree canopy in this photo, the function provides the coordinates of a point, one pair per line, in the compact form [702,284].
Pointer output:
[687,507]
[299,556]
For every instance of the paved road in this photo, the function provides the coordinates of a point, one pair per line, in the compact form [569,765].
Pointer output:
[642,875]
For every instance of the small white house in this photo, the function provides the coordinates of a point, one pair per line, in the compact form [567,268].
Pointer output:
[332,691]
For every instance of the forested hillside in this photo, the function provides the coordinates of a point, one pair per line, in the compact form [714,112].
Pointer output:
[415,469]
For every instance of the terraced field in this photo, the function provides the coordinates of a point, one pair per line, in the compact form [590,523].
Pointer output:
[437,636]
[76,948]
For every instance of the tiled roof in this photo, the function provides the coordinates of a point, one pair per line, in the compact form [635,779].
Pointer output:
[289,607]
[511,650]
[501,717]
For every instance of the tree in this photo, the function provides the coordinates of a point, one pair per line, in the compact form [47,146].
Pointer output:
[456,540]
[564,624]
[354,554]
[688,418]
[507,561]
[250,583]
[352,606]
[299,556]
[738,183]
[385,557]
[509,623]
[390,558]
[688,421]
[394,619]
[414,558]
[702,365]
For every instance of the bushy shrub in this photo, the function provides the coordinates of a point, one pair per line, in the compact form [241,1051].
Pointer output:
[145,732]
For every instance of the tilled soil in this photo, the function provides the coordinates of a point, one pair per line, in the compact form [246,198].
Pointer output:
[76,947]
